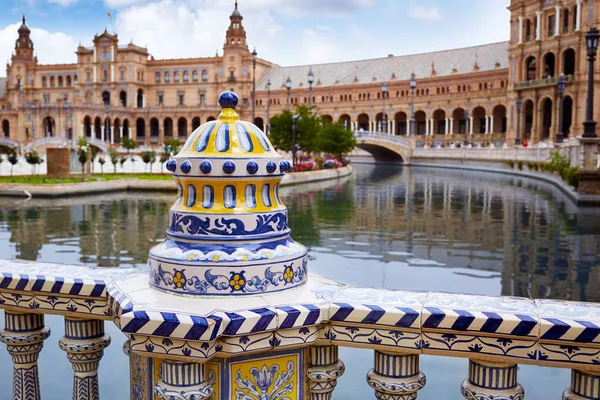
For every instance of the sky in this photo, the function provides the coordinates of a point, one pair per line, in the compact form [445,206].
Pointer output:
[286,32]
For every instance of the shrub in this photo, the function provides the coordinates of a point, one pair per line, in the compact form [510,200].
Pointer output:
[511,164]
[102,161]
[520,165]
[114,157]
[33,158]
[13,159]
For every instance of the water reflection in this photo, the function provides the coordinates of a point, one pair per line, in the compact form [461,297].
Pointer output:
[480,226]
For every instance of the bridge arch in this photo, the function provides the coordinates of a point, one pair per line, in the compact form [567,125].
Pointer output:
[384,148]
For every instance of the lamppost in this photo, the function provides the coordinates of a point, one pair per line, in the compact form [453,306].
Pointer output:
[562,85]
[518,138]
[384,90]
[254,54]
[295,119]
[466,126]
[589,126]
[311,79]
[32,121]
[268,106]
[413,86]
[288,85]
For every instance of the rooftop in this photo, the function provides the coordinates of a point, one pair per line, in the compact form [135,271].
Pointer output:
[446,63]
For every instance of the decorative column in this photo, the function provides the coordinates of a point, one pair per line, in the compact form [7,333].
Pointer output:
[451,126]
[112,134]
[396,376]
[24,336]
[491,129]
[470,125]
[584,386]
[578,16]
[120,134]
[183,381]
[324,370]
[520,30]
[392,127]
[557,19]
[538,25]
[84,342]
[489,380]
[487,124]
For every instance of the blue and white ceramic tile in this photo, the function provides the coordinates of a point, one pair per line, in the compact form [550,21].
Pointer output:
[569,321]
[354,336]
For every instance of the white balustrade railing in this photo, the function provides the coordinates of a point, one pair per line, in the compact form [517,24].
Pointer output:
[486,153]
[380,136]
[494,333]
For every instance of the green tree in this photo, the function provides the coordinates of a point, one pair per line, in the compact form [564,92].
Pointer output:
[114,157]
[82,155]
[13,159]
[148,157]
[307,128]
[335,139]
[122,161]
[33,158]
[164,157]
[102,161]
[172,146]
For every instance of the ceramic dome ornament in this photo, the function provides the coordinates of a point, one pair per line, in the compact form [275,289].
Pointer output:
[228,232]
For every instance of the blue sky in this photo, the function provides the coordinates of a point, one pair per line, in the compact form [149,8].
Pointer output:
[287,32]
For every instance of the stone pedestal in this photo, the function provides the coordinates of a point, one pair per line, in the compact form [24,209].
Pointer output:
[588,159]
[589,182]
[58,162]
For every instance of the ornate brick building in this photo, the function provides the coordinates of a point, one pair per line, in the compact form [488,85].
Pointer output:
[119,90]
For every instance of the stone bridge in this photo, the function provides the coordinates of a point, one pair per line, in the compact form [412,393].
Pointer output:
[9,143]
[384,147]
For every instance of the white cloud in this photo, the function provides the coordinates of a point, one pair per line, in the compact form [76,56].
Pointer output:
[50,47]
[424,13]
[64,3]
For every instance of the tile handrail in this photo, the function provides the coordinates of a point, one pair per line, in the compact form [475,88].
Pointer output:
[320,314]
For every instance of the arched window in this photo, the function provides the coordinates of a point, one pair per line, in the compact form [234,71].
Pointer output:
[566,21]
[195,76]
[105,75]
[204,75]
[51,81]
[60,81]
[176,76]
[44,81]
[186,77]
[68,81]
[158,77]
[167,77]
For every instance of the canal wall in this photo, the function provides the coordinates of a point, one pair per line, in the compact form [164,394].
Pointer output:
[87,188]
[502,168]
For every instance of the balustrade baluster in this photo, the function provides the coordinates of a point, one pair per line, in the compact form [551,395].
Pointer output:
[84,342]
[24,336]
[324,370]
[396,376]
[183,381]
[488,380]
[584,386]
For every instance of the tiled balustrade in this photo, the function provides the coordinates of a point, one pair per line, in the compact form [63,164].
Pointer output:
[262,344]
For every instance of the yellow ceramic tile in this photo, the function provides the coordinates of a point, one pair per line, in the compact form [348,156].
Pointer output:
[273,378]
[213,375]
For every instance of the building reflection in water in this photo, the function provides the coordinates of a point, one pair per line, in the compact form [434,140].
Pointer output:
[524,232]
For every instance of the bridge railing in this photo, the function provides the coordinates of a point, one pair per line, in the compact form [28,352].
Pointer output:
[380,136]
[494,333]
[487,154]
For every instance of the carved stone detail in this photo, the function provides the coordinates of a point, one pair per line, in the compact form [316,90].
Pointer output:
[183,381]
[84,342]
[24,336]
[396,376]
[492,381]
[324,370]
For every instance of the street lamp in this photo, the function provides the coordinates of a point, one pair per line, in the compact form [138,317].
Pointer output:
[295,119]
[384,90]
[311,79]
[466,126]
[413,86]
[288,85]
[589,126]
[518,138]
[562,85]
[254,54]
[268,105]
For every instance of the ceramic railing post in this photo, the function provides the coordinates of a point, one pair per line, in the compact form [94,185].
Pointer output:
[181,380]
[488,380]
[323,372]
[584,386]
[84,342]
[396,376]
[24,336]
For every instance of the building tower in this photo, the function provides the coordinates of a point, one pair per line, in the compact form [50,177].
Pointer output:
[24,44]
[235,38]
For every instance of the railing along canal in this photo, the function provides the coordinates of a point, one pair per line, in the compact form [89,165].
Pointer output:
[230,311]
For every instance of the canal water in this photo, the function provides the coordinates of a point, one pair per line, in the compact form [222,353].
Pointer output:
[388,227]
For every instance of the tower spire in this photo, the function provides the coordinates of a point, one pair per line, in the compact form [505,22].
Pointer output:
[23,18]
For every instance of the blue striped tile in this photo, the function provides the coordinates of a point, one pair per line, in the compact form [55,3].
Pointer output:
[590,332]
[235,323]
[197,330]
[375,315]
[264,321]
[409,317]
[343,313]
[313,315]
[169,324]
[558,330]
[493,322]
[140,318]
[464,320]
[436,317]
[290,318]
[526,325]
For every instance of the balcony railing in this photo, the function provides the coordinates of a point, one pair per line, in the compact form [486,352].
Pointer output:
[541,82]
[494,333]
